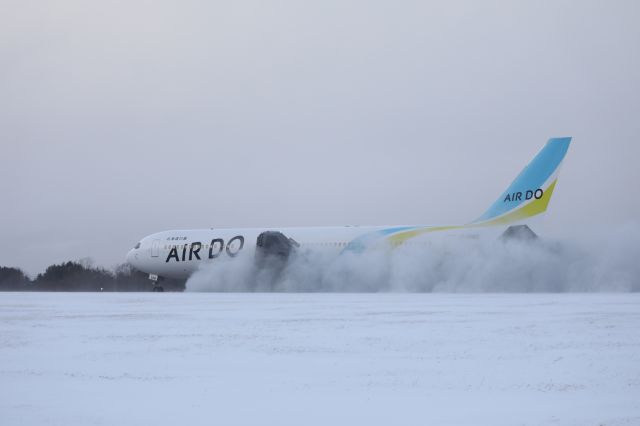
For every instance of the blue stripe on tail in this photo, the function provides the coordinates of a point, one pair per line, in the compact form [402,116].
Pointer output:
[531,178]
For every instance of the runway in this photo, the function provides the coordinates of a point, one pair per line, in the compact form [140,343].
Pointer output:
[319,359]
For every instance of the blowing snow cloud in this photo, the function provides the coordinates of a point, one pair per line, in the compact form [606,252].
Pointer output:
[603,262]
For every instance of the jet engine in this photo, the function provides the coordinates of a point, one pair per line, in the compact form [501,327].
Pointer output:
[273,250]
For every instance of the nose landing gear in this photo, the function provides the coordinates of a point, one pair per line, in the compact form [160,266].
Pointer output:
[155,281]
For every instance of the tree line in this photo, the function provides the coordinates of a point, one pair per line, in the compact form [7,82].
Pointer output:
[82,276]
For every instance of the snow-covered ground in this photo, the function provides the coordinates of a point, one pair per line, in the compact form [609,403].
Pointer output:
[321,359]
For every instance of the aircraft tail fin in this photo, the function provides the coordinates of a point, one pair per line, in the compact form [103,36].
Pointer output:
[529,194]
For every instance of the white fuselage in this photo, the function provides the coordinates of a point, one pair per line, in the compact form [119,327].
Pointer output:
[179,253]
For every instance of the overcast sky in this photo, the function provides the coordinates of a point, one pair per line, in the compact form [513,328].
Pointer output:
[122,118]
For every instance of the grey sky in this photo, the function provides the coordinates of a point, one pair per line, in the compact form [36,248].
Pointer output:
[122,118]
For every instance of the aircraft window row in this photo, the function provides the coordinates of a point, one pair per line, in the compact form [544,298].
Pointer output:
[330,244]
[207,246]
[181,246]
[394,243]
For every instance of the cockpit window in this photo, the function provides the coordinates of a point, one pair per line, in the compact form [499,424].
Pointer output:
[137,246]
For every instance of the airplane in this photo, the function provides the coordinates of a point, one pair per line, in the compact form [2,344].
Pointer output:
[179,253]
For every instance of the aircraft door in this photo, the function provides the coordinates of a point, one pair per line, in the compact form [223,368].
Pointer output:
[155,248]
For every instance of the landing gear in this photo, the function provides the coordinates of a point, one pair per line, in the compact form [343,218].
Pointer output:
[155,281]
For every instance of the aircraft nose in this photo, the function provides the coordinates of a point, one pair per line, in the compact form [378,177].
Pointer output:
[132,257]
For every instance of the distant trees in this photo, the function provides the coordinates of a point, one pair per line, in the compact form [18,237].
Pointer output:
[13,279]
[82,276]
[73,276]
